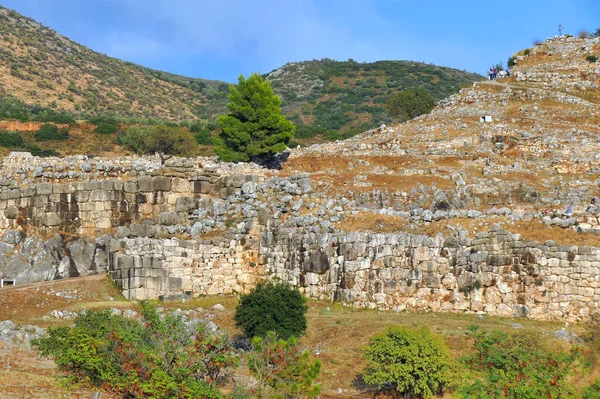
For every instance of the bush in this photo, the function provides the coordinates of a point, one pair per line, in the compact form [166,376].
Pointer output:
[272,307]
[106,127]
[10,139]
[37,151]
[48,132]
[282,369]
[414,362]
[518,365]
[593,391]
[592,58]
[203,137]
[512,61]
[158,357]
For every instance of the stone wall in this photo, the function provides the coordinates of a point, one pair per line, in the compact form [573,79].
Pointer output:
[152,233]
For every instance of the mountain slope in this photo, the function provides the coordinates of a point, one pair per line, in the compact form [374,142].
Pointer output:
[351,96]
[40,66]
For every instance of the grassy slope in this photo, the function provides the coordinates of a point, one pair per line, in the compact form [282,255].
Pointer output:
[351,96]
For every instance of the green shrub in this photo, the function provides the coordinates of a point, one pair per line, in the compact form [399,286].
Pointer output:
[203,137]
[106,127]
[592,58]
[157,357]
[518,365]
[48,132]
[527,51]
[169,141]
[413,362]
[135,138]
[10,139]
[272,307]
[512,61]
[37,151]
[593,391]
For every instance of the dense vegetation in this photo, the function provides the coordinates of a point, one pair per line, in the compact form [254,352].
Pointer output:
[158,357]
[519,365]
[166,356]
[410,103]
[254,128]
[345,98]
[49,131]
[272,307]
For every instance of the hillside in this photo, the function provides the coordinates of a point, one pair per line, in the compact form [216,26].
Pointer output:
[40,66]
[351,96]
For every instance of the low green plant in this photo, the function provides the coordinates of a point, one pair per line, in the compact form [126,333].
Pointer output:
[592,391]
[274,307]
[592,58]
[106,127]
[10,139]
[282,369]
[48,132]
[518,365]
[410,103]
[157,357]
[411,361]
[37,151]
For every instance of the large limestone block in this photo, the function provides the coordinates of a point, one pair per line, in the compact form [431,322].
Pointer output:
[51,219]
[317,262]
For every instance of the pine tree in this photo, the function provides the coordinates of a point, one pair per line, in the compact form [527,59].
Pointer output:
[255,128]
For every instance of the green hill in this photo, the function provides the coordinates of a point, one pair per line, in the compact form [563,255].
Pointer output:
[351,96]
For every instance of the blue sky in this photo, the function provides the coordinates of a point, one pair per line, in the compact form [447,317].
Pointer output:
[219,39]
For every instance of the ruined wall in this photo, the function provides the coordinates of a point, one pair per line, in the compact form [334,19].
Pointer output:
[136,231]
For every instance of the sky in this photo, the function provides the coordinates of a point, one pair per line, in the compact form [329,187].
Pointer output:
[221,39]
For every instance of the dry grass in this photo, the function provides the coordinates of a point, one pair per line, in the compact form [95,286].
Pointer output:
[366,221]
[30,303]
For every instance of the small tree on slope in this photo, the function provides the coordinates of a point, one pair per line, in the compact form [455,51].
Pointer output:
[255,127]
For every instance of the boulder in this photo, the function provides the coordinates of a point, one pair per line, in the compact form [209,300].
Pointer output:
[317,262]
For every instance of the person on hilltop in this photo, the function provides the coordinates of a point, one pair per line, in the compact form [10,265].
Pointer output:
[490,73]
[569,211]
[495,72]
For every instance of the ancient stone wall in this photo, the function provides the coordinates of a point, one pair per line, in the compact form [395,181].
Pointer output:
[135,229]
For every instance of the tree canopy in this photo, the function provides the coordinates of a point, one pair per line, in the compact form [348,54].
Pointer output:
[255,128]
[410,103]
[167,141]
